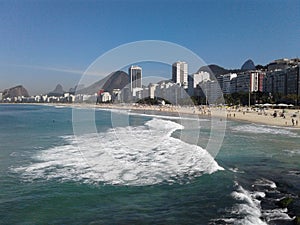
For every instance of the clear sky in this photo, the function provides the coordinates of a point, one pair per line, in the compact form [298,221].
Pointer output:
[43,43]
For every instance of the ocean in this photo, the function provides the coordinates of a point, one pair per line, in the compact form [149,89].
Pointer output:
[143,170]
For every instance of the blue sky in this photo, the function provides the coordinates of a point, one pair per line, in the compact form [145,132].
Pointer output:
[53,41]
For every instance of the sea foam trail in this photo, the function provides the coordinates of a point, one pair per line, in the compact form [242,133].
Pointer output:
[142,155]
[263,129]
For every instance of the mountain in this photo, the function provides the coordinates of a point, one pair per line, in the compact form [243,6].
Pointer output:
[58,91]
[15,92]
[215,69]
[115,80]
[218,70]
[77,87]
[248,65]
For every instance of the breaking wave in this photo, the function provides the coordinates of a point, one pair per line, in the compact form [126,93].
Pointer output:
[143,155]
[263,129]
[248,209]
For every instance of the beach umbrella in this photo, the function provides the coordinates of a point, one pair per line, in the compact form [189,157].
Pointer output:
[282,105]
[267,105]
[290,105]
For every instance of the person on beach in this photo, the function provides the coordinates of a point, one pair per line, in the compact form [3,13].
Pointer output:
[293,121]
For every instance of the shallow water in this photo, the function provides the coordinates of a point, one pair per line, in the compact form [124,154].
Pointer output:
[48,175]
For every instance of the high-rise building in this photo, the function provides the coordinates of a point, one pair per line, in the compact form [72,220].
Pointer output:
[275,82]
[135,74]
[250,81]
[180,74]
[226,84]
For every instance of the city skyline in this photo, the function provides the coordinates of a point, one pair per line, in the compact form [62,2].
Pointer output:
[50,42]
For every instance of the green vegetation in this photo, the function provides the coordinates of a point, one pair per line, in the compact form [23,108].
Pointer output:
[150,101]
[285,202]
[297,220]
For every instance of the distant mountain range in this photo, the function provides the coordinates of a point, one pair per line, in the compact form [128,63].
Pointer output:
[119,79]
[218,70]
[15,92]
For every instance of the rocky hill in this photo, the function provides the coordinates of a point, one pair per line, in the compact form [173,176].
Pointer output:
[58,91]
[218,70]
[248,65]
[15,92]
[215,69]
[115,80]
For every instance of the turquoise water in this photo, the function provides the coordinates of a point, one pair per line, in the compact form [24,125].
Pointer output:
[50,176]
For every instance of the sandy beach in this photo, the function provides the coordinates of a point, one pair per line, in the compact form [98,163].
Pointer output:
[290,117]
[283,118]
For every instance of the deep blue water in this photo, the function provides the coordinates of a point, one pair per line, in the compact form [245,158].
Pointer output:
[45,178]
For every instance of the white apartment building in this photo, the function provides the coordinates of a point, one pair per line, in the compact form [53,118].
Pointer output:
[227,82]
[200,77]
[180,74]
[135,74]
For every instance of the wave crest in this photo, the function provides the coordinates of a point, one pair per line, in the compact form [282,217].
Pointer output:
[143,155]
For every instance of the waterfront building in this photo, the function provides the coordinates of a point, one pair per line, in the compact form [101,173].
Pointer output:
[211,91]
[116,94]
[200,77]
[195,79]
[275,82]
[105,97]
[282,77]
[293,80]
[135,74]
[226,83]
[250,81]
[180,74]
[152,88]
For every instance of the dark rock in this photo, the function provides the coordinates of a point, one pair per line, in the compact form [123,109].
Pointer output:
[248,65]
[58,91]
[297,220]
[214,69]
[285,202]
[76,88]
[115,80]
[15,92]
[217,70]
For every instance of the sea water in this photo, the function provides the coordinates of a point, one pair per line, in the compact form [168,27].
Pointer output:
[141,172]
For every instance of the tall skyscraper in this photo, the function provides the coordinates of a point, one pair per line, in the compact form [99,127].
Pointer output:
[180,74]
[135,74]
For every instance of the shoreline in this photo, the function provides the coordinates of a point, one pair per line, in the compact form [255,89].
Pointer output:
[242,114]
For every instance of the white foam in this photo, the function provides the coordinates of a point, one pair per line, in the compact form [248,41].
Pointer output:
[265,183]
[250,208]
[294,172]
[276,214]
[235,170]
[292,152]
[168,117]
[262,129]
[136,113]
[143,155]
